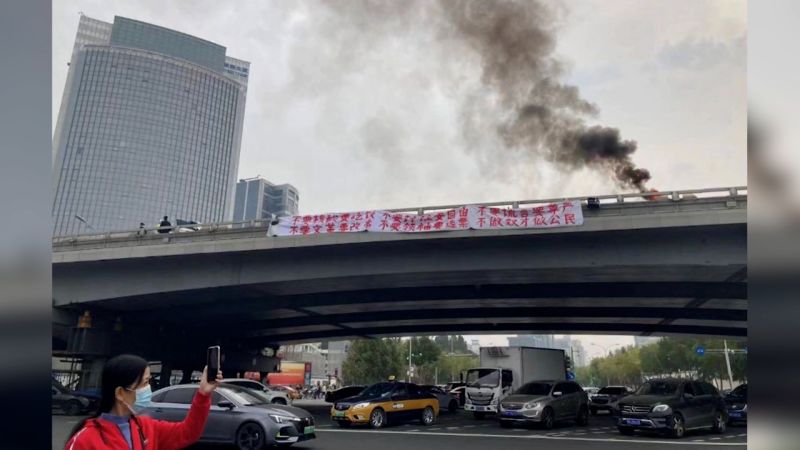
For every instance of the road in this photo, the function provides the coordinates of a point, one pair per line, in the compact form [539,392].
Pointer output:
[460,431]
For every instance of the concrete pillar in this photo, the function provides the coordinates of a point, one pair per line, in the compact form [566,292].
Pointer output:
[166,374]
[187,376]
[93,377]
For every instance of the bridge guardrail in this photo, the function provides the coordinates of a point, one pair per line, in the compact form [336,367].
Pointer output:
[151,235]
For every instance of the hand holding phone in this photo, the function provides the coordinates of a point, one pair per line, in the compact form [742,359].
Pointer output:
[213,363]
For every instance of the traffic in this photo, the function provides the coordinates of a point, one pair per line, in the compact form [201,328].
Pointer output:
[514,388]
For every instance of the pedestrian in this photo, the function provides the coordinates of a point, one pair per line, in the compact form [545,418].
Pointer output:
[165,226]
[125,390]
[142,230]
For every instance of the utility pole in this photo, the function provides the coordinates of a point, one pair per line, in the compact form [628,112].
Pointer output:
[728,363]
[409,359]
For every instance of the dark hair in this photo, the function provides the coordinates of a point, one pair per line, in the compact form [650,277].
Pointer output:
[119,371]
[165,217]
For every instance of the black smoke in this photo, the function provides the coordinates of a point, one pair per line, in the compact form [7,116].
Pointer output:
[535,115]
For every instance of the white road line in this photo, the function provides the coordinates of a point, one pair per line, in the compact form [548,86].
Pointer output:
[534,436]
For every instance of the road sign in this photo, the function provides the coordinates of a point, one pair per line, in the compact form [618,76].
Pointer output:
[700,350]
[570,375]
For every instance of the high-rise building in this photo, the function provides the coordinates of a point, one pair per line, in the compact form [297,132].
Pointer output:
[639,341]
[257,198]
[150,125]
[531,340]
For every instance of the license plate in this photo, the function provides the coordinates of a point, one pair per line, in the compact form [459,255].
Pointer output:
[634,422]
[338,414]
[480,408]
[735,414]
[308,430]
[510,413]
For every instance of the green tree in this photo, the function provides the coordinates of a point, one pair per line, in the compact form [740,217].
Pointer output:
[373,360]
[425,355]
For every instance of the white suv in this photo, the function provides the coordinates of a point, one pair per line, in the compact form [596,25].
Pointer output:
[275,397]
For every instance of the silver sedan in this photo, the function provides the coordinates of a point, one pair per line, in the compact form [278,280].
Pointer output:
[239,416]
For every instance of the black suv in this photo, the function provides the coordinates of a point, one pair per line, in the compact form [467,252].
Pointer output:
[737,404]
[673,406]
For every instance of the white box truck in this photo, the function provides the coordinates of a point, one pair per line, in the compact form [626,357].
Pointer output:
[504,369]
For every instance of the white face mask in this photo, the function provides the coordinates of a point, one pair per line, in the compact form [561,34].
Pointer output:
[143,396]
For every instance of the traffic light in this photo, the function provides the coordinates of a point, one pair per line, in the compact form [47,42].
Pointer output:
[568,362]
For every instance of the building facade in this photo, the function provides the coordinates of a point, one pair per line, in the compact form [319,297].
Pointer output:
[150,125]
[257,199]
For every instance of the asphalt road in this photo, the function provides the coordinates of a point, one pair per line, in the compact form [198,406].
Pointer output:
[462,432]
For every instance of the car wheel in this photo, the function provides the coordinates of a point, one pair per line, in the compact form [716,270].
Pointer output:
[377,419]
[627,431]
[452,407]
[548,418]
[428,416]
[720,423]
[479,415]
[594,411]
[677,427]
[250,436]
[278,401]
[505,424]
[72,408]
[583,417]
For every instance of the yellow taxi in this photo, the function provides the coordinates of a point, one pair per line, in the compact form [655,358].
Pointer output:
[382,403]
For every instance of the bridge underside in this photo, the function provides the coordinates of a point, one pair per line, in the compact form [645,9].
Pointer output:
[685,281]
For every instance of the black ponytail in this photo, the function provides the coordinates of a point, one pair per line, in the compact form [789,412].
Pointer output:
[119,371]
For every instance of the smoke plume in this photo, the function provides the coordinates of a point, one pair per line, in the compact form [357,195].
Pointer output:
[514,40]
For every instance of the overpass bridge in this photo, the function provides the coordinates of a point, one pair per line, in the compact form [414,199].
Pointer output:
[675,265]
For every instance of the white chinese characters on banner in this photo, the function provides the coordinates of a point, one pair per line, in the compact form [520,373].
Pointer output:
[477,217]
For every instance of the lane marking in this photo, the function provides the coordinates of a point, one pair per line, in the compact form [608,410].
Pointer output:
[535,436]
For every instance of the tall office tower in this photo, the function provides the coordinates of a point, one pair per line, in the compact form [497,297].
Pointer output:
[150,125]
[257,198]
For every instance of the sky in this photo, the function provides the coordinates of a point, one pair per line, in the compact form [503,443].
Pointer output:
[394,109]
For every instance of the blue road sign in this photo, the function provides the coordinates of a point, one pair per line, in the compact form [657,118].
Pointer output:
[570,375]
[700,350]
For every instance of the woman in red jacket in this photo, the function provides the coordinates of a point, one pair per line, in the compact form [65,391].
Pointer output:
[125,387]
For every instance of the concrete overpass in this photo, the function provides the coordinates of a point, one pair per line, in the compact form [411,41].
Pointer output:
[672,266]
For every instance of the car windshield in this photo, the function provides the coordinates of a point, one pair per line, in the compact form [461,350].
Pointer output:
[611,391]
[483,377]
[534,389]
[658,388]
[246,397]
[378,390]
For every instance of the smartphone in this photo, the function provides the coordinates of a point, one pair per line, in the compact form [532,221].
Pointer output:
[212,361]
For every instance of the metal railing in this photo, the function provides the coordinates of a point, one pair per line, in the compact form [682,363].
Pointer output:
[152,234]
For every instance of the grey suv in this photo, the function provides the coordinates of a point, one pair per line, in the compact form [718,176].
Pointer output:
[673,406]
[545,402]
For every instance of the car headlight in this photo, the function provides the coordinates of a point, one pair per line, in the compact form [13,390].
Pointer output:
[277,418]
[532,405]
[745,408]
[361,405]
[661,408]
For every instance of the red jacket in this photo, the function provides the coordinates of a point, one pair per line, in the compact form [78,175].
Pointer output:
[158,434]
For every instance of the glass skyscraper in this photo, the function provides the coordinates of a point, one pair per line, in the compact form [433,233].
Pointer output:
[257,198]
[150,125]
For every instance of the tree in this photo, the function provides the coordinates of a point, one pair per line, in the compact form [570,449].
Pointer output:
[425,355]
[373,360]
